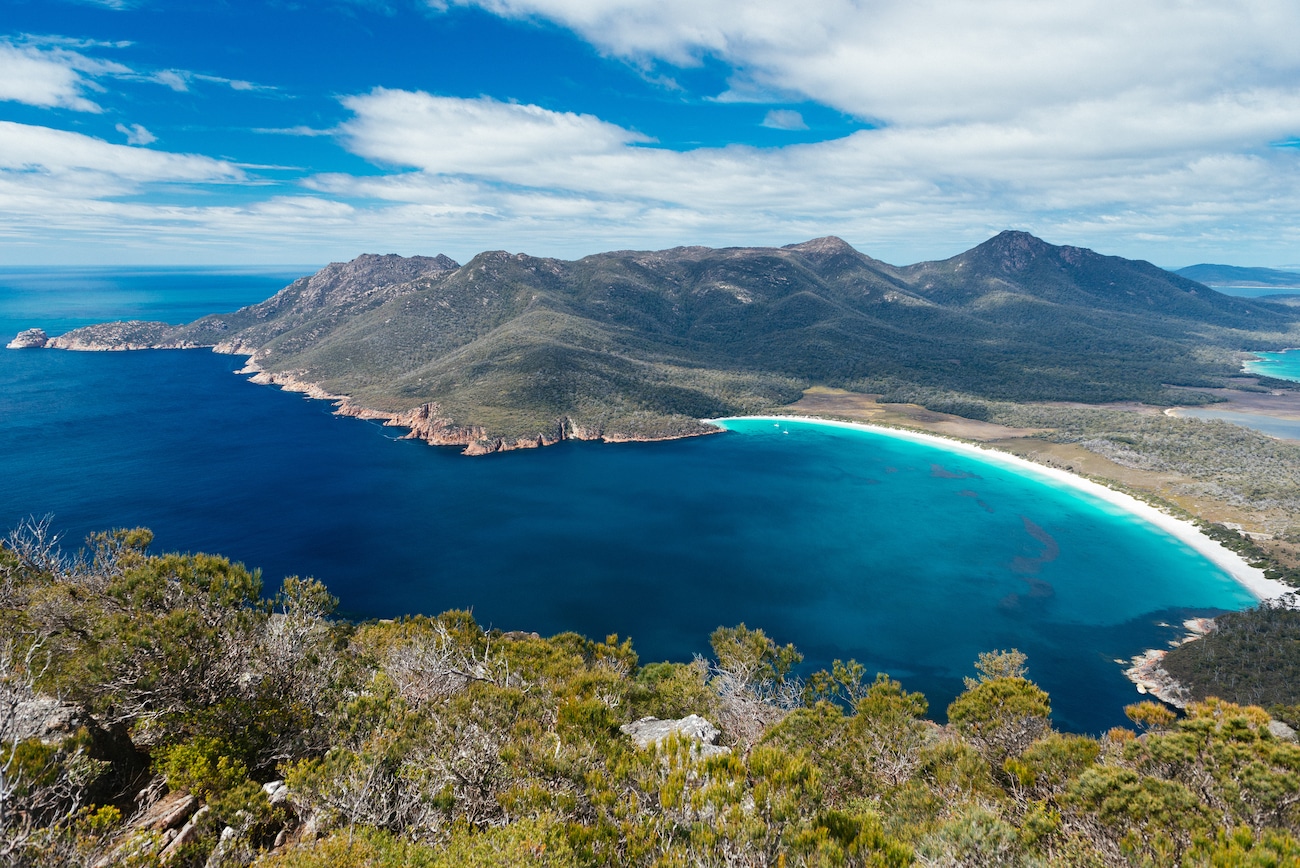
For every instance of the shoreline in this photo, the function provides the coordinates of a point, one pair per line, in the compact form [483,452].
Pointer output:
[1256,359]
[1250,578]
[425,422]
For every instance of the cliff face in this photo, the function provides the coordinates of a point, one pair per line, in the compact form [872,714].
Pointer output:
[510,351]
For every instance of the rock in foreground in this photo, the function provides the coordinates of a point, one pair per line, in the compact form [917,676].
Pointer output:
[651,731]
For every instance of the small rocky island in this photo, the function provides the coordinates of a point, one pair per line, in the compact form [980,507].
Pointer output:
[30,339]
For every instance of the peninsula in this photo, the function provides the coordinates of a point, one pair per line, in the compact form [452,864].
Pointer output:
[511,351]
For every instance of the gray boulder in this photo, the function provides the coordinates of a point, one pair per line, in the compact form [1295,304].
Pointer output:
[1281,730]
[651,731]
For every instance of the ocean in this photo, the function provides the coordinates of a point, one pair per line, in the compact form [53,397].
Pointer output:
[910,558]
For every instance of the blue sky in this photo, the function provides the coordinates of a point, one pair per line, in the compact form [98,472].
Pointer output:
[144,131]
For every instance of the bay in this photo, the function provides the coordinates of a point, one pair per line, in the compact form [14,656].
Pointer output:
[909,558]
[1284,365]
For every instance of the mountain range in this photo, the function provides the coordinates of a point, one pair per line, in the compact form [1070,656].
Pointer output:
[513,350]
[1235,275]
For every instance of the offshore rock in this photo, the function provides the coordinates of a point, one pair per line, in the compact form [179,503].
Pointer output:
[29,339]
[652,731]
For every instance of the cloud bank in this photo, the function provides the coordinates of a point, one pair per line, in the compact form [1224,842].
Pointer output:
[1162,129]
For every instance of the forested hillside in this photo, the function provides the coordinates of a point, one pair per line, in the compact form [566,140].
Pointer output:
[510,349]
[156,709]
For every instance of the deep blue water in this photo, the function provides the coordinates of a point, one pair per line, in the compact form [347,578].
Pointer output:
[58,299]
[848,544]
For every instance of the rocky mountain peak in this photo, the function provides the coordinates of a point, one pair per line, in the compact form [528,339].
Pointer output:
[1012,250]
[345,282]
[828,244]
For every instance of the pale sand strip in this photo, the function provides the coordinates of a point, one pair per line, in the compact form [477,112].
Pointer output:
[1251,578]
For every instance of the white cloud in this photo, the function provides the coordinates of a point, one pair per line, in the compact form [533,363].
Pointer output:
[301,130]
[465,175]
[55,72]
[453,136]
[136,134]
[232,83]
[48,155]
[524,169]
[1138,129]
[172,78]
[935,61]
[784,119]
[50,77]
[532,147]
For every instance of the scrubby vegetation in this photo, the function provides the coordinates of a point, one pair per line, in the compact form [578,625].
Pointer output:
[158,708]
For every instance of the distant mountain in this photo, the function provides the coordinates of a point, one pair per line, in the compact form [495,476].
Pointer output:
[511,349]
[1232,275]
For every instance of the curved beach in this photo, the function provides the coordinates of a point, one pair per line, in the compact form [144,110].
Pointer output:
[1250,578]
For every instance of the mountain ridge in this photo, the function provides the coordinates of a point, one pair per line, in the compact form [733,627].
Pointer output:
[511,350]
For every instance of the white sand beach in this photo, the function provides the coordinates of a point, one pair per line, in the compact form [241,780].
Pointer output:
[1251,578]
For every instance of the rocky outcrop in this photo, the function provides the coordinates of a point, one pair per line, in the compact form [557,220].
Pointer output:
[188,834]
[428,423]
[155,829]
[1150,677]
[42,717]
[29,339]
[651,731]
[1280,730]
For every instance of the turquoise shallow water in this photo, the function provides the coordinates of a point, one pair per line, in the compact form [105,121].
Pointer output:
[909,558]
[1283,366]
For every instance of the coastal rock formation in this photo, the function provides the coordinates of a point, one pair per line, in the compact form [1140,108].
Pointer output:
[121,336]
[650,731]
[29,339]
[1150,677]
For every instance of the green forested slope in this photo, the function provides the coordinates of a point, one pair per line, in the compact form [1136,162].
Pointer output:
[642,342]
